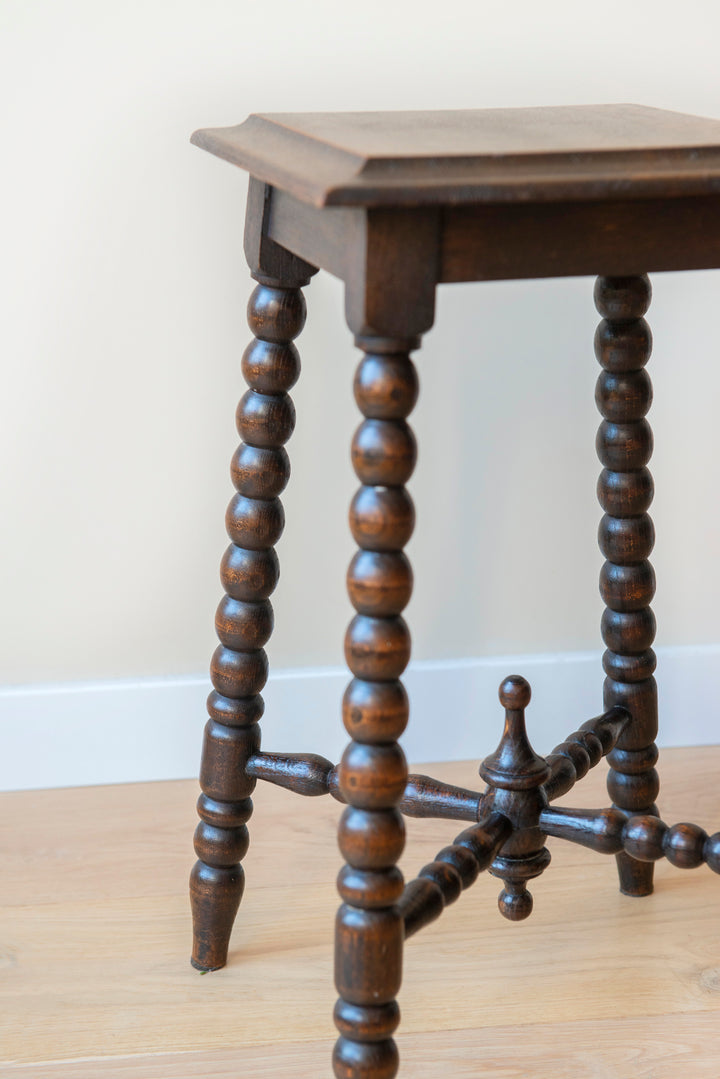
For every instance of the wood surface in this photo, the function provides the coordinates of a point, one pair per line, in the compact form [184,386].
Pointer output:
[260,469]
[623,395]
[373,772]
[249,571]
[395,204]
[475,155]
[611,236]
[497,242]
[95,929]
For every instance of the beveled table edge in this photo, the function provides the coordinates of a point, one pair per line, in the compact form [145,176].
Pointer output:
[324,173]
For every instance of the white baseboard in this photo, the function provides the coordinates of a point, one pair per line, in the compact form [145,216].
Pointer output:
[78,734]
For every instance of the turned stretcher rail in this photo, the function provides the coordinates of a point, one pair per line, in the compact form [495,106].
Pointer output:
[644,837]
[303,773]
[583,749]
[455,868]
[428,797]
[312,775]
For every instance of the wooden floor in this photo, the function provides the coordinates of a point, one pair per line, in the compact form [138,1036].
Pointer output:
[94,944]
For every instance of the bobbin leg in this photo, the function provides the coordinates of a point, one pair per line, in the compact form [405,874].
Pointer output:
[627,582]
[244,620]
[249,573]
[373,771]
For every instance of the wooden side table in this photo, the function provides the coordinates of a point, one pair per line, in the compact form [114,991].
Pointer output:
[395,204]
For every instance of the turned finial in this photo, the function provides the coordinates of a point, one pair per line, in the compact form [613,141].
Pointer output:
[515,775]
[514,765]
[515,692]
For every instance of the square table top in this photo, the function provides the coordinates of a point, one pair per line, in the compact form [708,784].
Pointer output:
[464,157]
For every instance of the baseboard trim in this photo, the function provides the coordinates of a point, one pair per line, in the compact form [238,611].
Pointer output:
[82,734]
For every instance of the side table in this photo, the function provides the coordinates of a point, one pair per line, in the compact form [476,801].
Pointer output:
[395,204]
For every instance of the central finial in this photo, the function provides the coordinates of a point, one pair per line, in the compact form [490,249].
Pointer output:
[515,775]
[515,765]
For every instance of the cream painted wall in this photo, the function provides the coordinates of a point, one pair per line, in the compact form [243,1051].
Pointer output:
[124,292]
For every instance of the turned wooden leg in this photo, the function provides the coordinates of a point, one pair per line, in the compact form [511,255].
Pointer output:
[627,582]
[244,620]
[373,771]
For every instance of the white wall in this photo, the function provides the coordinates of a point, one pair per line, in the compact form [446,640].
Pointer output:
[124,292]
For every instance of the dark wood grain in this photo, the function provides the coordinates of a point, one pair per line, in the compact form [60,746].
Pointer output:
[645,839]
[515,775]
[244,618]
[500,241]
[623,343]
[427,797]
[312,775]
[395,204]
[303,773]
[628,235]
[373,772]
[583,749]
[454,868]
[600,830]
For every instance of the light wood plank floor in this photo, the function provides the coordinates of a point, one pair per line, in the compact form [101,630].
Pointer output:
[94,940]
